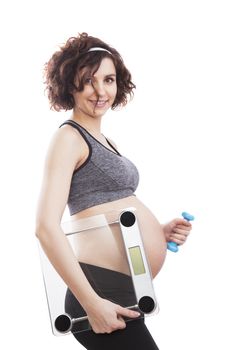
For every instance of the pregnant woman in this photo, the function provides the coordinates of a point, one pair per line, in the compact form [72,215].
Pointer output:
[86,170]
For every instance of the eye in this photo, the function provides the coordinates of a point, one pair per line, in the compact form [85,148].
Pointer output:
[109,80]
[88,81]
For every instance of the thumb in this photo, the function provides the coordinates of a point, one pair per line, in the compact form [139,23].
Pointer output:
[126,312]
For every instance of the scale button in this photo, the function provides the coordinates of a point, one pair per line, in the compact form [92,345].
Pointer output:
[127,219]
[146,304]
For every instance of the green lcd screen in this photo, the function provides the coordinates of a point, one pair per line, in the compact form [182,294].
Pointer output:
[136,259]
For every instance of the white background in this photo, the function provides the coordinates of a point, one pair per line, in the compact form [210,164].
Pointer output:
[177,130]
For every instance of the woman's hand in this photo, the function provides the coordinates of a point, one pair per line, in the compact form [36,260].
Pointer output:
[106,317]
[177,230]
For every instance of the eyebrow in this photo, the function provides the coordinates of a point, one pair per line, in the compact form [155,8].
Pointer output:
[107,76]
[110,75]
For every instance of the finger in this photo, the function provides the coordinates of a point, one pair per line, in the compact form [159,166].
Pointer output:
[120,318]
[180,236]
[126,312]
[181,221]
[121,324]
[181,232]
[184,223]
[179,239]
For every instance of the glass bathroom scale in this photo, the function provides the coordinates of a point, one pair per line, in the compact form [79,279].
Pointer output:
[109,248]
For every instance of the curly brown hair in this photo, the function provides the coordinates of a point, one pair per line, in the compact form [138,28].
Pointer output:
[65,65]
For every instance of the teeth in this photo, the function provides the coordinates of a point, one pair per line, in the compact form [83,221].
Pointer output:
[99,103]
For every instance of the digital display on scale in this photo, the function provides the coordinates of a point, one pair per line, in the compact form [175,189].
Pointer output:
[136,259]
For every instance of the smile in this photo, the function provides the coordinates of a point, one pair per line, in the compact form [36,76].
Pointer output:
[100,103]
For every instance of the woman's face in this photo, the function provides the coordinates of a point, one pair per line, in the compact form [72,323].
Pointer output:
[99,91]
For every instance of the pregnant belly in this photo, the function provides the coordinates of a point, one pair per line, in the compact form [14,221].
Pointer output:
[98,249]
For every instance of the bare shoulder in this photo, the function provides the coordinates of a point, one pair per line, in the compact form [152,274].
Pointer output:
[65,153]
[68,135]
[66,143]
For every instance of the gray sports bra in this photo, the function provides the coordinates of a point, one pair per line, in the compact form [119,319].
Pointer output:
[105,176]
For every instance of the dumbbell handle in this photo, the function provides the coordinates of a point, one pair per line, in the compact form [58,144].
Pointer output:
[172,246]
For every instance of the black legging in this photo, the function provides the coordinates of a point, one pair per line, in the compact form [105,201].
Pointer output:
[118,288]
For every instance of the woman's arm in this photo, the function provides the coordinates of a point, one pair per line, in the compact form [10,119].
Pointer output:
[67,149]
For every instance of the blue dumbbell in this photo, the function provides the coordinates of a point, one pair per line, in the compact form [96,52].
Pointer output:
[172,246]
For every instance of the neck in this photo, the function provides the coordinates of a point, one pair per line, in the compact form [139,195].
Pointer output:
[92,124]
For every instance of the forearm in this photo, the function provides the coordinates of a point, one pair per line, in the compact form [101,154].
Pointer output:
[62,257]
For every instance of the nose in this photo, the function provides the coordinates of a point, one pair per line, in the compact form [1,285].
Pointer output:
[99,89]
